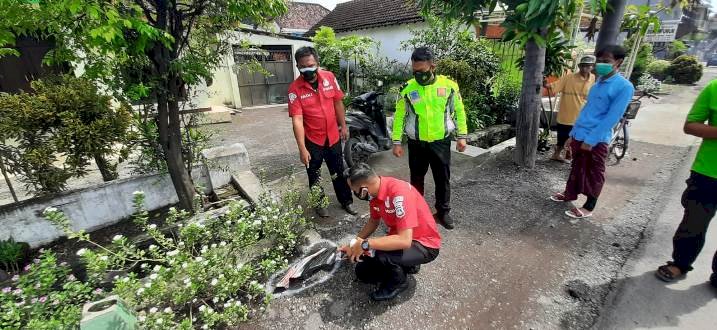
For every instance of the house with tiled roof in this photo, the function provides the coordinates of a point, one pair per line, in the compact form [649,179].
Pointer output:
[300,17]
[387,22]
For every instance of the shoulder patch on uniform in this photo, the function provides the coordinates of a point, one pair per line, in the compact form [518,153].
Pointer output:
[398,206]
[292,97]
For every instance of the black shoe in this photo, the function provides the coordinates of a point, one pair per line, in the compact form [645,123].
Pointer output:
[444,220]
[713,280]
[385,292]
[412,269]
[349,209]
[322,212]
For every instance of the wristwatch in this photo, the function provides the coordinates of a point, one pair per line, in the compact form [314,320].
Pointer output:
[364,245]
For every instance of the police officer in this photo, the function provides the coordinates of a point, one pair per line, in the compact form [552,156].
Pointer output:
[429,111]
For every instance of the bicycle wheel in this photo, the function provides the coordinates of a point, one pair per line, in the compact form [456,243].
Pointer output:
[619,147]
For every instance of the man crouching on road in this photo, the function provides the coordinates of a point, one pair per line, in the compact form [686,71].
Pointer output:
[412,237]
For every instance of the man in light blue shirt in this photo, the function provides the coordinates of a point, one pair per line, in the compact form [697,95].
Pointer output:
[607,101]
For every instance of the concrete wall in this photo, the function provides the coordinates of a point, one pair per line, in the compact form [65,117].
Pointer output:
[105,204]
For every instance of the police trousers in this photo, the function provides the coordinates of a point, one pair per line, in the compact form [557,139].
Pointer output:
[387,267]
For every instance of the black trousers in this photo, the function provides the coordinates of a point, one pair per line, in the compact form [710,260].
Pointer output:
[437,155]
[563,134]
[335,162]
[700,203]
[387,267]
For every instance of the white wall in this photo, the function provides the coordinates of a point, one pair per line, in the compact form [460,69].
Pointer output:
[389,39]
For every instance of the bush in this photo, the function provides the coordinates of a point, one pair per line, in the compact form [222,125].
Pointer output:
[648,84]
[677,48]
[643,59]
[46,296]
[65,116]
[205,274]
[658,69]
[685,69]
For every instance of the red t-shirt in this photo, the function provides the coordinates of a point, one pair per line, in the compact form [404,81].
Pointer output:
[317,107]
[401,206]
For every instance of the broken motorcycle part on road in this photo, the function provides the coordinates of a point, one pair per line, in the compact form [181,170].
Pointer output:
[323,259]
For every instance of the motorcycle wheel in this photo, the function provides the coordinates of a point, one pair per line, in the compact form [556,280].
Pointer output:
[352,154]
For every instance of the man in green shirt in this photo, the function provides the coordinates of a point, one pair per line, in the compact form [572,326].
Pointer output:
[700,197]
[429,111]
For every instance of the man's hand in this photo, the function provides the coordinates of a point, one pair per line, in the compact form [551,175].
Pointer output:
[344,133]
[353,252]
[461,145]
[568,142]
[586,147]
[305,156]
[397,150]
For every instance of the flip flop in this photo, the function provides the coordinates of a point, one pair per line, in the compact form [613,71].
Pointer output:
[665,274]
[558,197]
[577,214]
[560,160]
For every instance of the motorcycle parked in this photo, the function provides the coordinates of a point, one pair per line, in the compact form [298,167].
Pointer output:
[368,129]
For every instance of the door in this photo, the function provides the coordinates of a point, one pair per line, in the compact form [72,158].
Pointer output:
[264,74]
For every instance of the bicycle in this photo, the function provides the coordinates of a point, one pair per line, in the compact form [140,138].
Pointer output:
[620,136]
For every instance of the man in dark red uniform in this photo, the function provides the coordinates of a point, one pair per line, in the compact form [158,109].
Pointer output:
[412,237]
[317,110]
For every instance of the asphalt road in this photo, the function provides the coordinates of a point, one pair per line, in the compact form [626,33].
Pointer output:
[514,261]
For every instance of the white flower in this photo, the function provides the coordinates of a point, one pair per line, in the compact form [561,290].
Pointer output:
[80,252]
[254,282]
[257,222]
[184,265]
[205,327]
[181,244]
[202,308]
[138,192]
[140,291]
[157,268]
[228,222]
[281,247]
[152,226]
[204,248]
[172,253]
[143,266]
[124,279]
[153,276]
[142,318]
[148,285]
[214,282]
[117,237]
[198,259]
[187,280]
[222,243]
[168,310]
[180,225]
[152,246]
[104,258]
[50,210]
[210,310]
[153,310]
[214,245]
[215,300]
[160,321]
[237,303]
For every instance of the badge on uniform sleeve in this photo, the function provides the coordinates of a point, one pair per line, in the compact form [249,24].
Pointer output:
[292,97]
[414,96]
[441,92]
[398,205]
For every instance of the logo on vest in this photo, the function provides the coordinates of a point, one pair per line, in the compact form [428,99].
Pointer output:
[292,97]
[398,205]
[306,96]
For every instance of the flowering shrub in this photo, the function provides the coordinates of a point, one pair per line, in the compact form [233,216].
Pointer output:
[46,296]
[205,273]
[648,84]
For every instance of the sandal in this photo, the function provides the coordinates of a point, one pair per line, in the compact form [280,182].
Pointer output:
[577,214]
[558,197]
[664,273]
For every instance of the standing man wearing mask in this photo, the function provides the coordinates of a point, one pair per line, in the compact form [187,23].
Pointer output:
[592,132]
[429,110]
[317,112]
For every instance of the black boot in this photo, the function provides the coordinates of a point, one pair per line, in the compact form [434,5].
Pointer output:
[412,269]
[349,209]
[444,219]
[713,280]
[388,292]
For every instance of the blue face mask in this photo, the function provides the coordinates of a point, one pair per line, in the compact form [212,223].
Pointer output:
[603,69]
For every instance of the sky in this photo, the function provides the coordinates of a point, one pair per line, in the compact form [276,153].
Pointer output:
[330,4]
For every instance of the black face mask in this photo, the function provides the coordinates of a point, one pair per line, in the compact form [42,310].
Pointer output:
[363,194]
[308,73]
[423,78]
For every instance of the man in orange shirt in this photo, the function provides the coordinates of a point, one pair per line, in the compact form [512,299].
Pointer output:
[574,88]
[317,110]
[412,238]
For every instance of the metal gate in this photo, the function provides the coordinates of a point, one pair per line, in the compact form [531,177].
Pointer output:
[259,88]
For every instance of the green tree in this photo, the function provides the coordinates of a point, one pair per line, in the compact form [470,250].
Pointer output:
[528,22]
[332,50]
[677,48]
[170,46]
